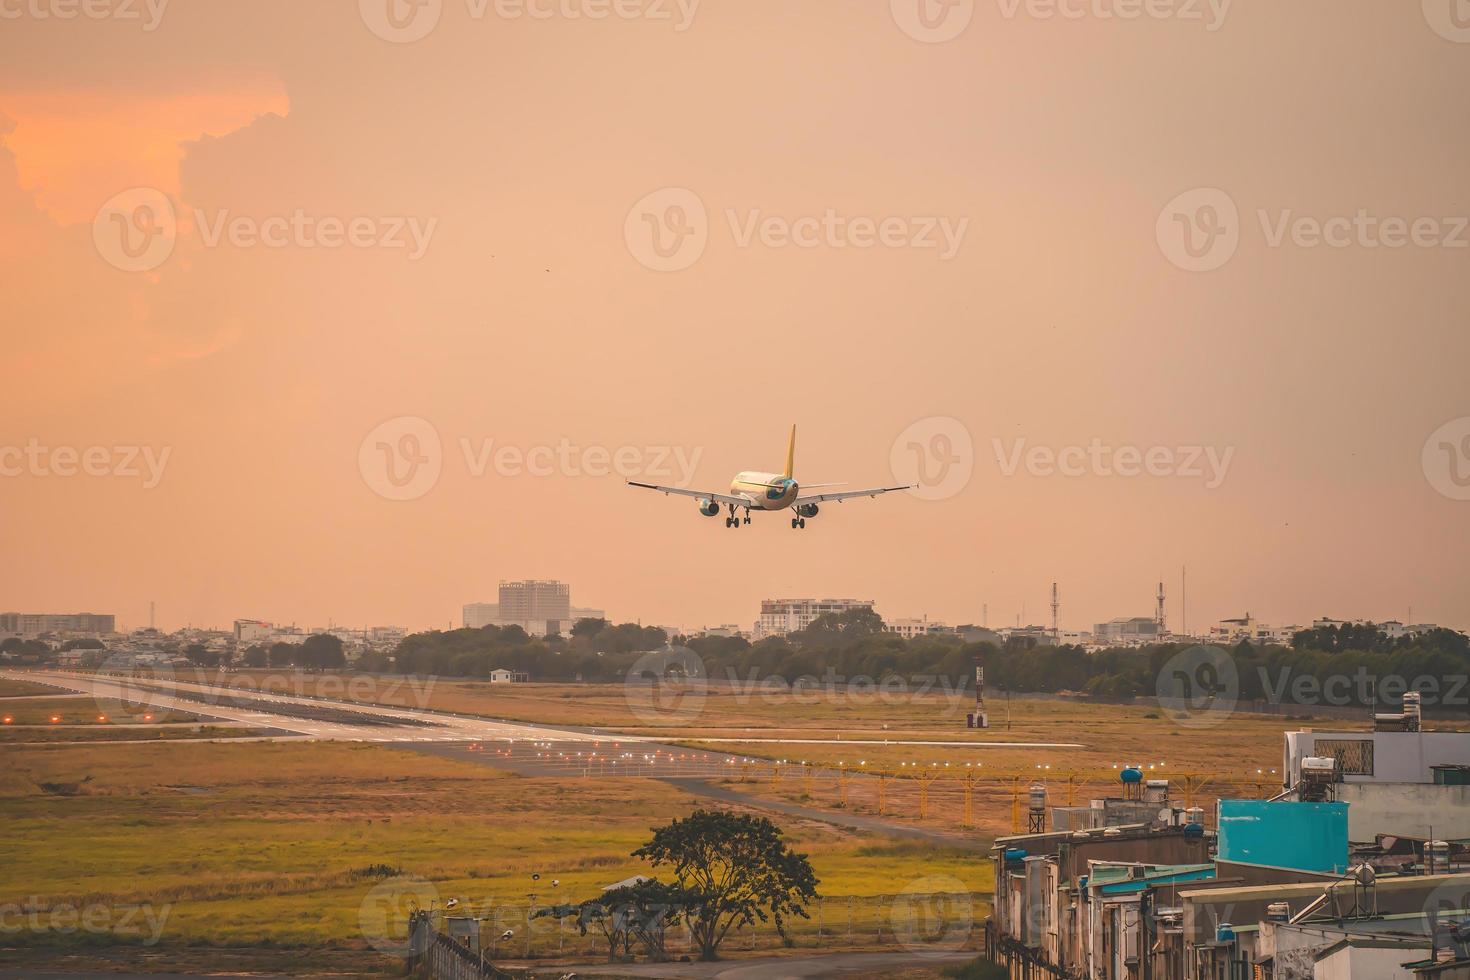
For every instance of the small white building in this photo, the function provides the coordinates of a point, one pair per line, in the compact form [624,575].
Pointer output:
[501,675]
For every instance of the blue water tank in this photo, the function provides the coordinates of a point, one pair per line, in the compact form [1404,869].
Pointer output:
[1225,933]
[1132,774]
[1014,854]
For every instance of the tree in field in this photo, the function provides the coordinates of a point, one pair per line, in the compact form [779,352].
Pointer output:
[321,651]
[732,870]
[640,912]
[201,656]
[255,656]
[281,654]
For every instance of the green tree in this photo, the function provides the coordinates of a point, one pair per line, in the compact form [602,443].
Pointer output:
[256,656]
[322,651]
[732,869]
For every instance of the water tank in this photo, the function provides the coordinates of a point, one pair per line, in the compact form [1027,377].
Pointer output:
[1037,797]
[1132,774]
[1224,933]
[1278,912]
[1194,815]
[1014,854]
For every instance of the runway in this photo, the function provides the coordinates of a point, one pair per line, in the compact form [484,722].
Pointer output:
[357,721]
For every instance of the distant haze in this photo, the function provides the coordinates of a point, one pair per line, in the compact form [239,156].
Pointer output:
[862,228]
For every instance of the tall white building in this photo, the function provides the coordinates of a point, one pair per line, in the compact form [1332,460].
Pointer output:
[781,616]
[538,607]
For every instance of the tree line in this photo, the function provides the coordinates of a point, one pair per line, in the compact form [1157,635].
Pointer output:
[853,646]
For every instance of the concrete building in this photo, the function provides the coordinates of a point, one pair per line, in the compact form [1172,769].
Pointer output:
[538,607]
[1127,631]
[34,624]
[908,628]
[782,616]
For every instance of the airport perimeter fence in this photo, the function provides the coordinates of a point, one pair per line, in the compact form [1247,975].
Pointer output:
[919,921]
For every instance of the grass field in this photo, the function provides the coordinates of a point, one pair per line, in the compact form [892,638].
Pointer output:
[287,844]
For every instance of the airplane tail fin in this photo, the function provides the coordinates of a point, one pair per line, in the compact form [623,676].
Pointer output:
[790,454]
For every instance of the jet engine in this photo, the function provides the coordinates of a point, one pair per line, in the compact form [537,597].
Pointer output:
[708,507]
[807,510]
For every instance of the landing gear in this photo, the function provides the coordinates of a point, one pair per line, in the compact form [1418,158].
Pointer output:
[797,522]
[734,521]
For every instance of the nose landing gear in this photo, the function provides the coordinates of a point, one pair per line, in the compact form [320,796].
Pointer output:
[797,522]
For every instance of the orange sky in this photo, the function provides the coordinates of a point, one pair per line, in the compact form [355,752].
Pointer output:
[525,312]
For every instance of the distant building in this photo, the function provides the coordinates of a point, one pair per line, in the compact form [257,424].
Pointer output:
[251,631]
[501,675]
[724,630]
[1127,631]
[909,628]
[782,616]
[34,624]
[538,607]
[1251,630]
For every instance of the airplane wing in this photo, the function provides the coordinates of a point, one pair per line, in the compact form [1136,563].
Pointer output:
[818,498]
[722,498]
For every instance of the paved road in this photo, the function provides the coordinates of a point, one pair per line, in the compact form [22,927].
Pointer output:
[259,710]
[387,724]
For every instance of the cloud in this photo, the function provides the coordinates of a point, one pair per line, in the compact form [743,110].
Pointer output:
[75,148]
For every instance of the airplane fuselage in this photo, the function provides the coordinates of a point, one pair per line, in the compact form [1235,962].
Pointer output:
[767,491]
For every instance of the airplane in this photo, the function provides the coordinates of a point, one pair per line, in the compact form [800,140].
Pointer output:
[753,490]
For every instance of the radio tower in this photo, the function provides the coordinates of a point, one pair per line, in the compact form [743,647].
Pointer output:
[1056,604]
[1160,616]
